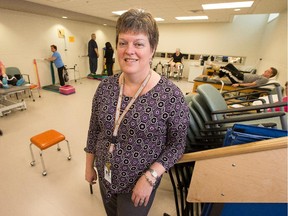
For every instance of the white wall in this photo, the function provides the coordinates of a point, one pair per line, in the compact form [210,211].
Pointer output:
[273,48]
[27,36]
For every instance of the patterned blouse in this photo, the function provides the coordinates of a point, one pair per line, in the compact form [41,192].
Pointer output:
[153,130]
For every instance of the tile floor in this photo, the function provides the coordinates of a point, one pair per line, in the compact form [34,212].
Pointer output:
[63,192]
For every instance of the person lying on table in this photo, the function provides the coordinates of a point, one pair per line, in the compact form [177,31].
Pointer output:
[239,78]
[6,80]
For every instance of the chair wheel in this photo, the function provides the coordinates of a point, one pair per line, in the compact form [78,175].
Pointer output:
[69,157]
[44,173]
[32,163]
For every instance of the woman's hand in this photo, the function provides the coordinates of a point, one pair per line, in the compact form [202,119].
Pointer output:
[236,85]
[91,175]
[141,192]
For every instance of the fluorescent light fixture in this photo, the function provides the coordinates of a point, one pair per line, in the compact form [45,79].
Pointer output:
[237,9]
[158,19]
[227,5]
[64,17]
[119,12]
[272,16]
[192,18]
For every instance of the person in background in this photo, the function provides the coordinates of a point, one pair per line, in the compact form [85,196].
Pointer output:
[245,79]
[6,80]
[57,60]
[284,99]
[93,54]
[138,124]
[108,58]
[176,61]
[3,76]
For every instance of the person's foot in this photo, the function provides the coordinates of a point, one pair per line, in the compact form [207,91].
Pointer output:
[221,73]
[5,86]
[4,81]
[20,82]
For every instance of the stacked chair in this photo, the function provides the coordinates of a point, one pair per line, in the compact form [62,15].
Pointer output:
[210,118]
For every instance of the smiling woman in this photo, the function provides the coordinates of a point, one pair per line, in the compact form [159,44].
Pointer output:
[138,123]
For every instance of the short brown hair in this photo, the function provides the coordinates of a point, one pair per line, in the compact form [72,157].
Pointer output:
[274,72]
[138,21]
[54,46]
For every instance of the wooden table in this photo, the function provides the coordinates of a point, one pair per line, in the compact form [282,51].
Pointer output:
[217,84]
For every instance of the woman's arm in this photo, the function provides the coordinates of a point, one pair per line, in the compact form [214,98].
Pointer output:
[90,173]
[3,69]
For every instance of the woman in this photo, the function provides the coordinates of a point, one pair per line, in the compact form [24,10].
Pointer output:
[108,58]
[176,61]
[56,58]
[138,123]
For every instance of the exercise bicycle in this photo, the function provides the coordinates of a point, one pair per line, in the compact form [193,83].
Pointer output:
[178,70]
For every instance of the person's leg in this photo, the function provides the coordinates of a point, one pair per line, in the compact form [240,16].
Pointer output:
[111,206]
[234,75]
[96,65]
[125,206]
[93,65]
[172,67]
[10,81]
[60,75]
[109,69]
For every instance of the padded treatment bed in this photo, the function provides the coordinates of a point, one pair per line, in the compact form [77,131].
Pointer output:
[7,105]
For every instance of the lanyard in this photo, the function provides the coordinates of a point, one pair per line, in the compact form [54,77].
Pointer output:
[118,117]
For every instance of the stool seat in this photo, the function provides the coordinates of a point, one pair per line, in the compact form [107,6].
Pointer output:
[47,139]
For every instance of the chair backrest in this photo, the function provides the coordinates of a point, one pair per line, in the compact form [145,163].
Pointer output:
[193,123]
[200,105]
[188,98]
[12,71]
[213,98]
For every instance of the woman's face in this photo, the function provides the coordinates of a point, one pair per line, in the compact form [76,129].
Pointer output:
[134,53]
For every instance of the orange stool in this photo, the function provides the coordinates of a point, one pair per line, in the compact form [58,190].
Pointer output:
[45,140]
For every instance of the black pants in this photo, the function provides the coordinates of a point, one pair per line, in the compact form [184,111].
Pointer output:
[122,205]
[11,80]
[109,67]
[234,75]
[60,75]
[93,63]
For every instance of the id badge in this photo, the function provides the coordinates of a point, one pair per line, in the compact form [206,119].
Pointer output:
[107,172]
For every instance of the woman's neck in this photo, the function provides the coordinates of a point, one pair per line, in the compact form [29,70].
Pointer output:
[132,83]
[134,79]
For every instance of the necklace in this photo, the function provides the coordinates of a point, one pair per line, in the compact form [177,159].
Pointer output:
[118,117]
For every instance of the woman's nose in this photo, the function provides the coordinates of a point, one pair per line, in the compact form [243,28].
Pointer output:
[130,49]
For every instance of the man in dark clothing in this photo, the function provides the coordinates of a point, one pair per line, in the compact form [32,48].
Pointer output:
[93,54]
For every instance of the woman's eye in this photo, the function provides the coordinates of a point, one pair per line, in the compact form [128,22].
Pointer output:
[139,45]
[122,44]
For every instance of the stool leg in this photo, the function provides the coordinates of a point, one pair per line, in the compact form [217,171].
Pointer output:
[58,147]
[32,163]
[44,173]
[68,146]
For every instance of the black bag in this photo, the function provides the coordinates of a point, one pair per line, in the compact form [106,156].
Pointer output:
[65,75]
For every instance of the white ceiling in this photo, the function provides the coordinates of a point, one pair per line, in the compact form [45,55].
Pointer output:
[100,11]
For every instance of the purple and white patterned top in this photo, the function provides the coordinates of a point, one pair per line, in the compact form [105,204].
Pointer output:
[153,130]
